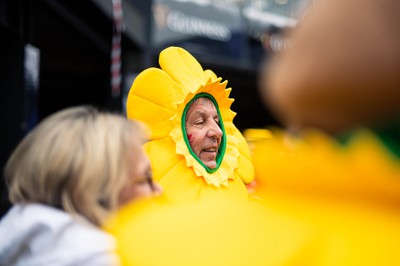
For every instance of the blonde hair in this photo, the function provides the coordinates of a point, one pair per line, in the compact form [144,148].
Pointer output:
[78,159]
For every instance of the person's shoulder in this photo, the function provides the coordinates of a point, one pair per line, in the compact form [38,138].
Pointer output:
[36,217]
[53,236]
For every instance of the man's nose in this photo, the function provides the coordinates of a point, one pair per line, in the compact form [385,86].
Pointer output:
[214,130]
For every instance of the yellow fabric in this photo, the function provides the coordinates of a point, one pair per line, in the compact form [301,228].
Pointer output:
[319,203]
[158,97]
[212,231]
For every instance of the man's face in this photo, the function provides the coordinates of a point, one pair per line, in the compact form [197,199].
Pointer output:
[203,130]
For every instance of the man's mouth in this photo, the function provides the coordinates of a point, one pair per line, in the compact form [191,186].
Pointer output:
[212,149]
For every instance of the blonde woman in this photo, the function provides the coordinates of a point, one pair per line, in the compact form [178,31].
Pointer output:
[64,179]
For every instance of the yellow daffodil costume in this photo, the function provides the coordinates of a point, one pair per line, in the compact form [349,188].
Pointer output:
[160,99]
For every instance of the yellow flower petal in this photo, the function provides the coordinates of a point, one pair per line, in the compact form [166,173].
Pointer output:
[146,102]
[183,68]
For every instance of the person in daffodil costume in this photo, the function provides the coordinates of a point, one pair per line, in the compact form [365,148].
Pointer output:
[195,149]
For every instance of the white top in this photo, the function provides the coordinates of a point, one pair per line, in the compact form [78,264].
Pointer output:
[39,235]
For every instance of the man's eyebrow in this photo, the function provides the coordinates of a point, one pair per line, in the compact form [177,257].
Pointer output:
[198,112]
[202,113]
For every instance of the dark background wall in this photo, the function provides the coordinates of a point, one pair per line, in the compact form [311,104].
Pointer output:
[73,42]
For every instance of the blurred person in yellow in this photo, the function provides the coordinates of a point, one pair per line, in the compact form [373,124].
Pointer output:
[65,178]
[336,165]
[195,149]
